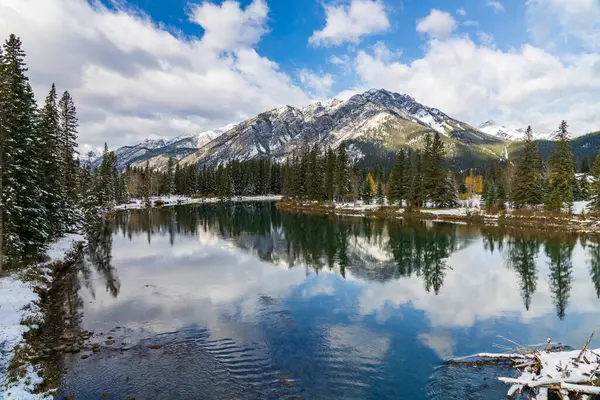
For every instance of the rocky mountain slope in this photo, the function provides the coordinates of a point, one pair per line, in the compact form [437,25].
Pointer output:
[159,151]
[373,125]
[376,121]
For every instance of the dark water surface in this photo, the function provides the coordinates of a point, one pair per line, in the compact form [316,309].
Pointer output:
[242,302]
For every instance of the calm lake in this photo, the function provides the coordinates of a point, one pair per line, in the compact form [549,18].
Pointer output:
[240,301]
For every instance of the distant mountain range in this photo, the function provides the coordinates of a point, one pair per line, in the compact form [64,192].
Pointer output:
[373,125]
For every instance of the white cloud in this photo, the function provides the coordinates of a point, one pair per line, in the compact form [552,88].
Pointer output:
[319,84]
[462,12]
[438,24]
[471,22]
[557,24]
[525,86]
[497,6]
[227,27]
[485,38]
[132,79]
[347,23]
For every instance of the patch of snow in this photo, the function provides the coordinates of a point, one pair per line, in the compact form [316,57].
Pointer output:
[430,120]
[580,206]
[15,296]
[445,211]
[180,200]
[57,250]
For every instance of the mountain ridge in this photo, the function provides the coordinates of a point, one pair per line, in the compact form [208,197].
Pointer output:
[374,125]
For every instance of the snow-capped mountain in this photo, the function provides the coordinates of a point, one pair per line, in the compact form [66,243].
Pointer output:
[508,133]
[502,131]
[373,125]
[376,120]
[158,151]
[198,140]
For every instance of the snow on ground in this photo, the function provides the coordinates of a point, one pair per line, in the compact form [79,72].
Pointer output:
[358,206]
[176,200]
[446,211]
[580,206]
[15,296]
[57,250]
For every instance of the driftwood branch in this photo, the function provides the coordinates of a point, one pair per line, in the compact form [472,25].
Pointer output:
[586,345]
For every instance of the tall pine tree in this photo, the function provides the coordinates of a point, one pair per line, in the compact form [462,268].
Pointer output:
[68,123]
[562,173]
[526,186]
[24,227]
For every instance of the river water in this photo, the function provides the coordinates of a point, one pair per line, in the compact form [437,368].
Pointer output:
[240,301]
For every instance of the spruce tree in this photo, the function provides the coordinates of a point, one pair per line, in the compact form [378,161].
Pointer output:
[105,181]
[170,185]
[380,193]
[366,191]
[562,173]
[342,175]
[595,186]
[397,183]
[527,190]
[434,176]
[68,123]
[417,191]
[330,175]
[24,228]
[448,195]
[585,165]
[55,196]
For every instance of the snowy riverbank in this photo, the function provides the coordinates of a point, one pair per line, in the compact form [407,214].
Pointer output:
[467,212]
[17,297]
[165,201]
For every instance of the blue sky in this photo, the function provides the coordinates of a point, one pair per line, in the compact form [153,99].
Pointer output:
[154,68]
[291,22]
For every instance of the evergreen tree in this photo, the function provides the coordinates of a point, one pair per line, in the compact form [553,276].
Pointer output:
[342,176]
[398,179]
[68,123]
[55,197]
[434,176]
[595,186]
[105,177]
[24,228]
[330,175]
[380,193]
[585,165]
[170,178]
[315,175]
[417,190]
[448,196]
[582,189]
[562,173]
[527,190]
[366,191]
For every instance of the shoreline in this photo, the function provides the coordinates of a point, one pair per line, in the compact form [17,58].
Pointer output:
[19,302]
[470,216]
